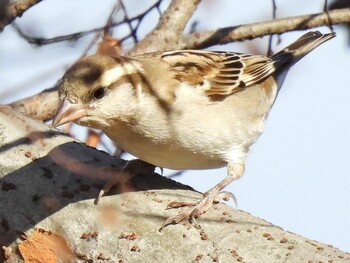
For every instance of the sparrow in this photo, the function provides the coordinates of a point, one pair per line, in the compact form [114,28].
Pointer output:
[181,109]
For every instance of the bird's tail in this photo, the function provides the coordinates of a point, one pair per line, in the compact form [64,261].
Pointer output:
[298,49]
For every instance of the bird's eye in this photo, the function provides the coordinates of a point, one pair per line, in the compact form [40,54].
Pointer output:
[99,92]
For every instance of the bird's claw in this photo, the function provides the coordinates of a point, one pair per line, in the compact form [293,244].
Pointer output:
[225,195]
[176,204]
[200,207]
[180,217]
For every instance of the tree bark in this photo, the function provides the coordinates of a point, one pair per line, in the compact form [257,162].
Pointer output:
[14,10]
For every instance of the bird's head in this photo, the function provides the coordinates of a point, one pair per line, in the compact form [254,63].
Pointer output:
[96,90]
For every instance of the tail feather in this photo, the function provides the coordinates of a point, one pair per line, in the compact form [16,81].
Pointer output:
[298,49]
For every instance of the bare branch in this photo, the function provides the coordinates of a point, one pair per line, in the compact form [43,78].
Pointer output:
[338,4]
[274,16]
[46,41]
[325,9]
[126,18]
[106,30]
[226,35]
[15,10]
[177,15]
[41,106]
[170,26]
[75,36]
[139,18]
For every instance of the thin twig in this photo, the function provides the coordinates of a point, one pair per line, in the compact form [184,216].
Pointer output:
[75,36]
[274,9]
[128,22]
[106,28]
[325,9]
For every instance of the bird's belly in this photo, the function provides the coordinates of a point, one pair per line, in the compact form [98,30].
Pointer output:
[185,139]
[169,155]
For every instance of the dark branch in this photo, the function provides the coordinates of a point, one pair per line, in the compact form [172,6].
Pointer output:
[15,10]
[75,36]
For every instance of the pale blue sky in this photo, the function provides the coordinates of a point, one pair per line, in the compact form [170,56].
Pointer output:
[297,174]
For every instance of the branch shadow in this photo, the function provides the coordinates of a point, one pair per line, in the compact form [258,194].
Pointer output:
[32,137]
[48,184]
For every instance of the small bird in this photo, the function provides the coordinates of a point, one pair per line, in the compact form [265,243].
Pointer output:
[182,109]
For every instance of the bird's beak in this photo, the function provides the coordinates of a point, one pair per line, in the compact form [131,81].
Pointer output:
[68,112]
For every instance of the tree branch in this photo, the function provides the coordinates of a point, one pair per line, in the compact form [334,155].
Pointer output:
[75,36]
[199,40]
[16,10]
[41,106]
[48,183]
[175,18]
[170,26]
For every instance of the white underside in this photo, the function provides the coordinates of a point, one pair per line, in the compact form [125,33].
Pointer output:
[203,135]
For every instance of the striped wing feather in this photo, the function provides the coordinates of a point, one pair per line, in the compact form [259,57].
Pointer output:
[219,73]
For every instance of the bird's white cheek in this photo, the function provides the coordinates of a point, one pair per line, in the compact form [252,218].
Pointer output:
[117,104]
[93,121]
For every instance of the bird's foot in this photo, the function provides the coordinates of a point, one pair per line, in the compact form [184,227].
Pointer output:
[199,207]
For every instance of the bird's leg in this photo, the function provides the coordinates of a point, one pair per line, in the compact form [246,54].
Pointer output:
[234,172]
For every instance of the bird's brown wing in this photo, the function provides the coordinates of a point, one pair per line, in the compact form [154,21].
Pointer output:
[218,73]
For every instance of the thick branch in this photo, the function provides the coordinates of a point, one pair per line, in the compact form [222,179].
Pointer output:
[41,106]
[16,10]
[48,182]
[170,26]
[226,35]
[177,15]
